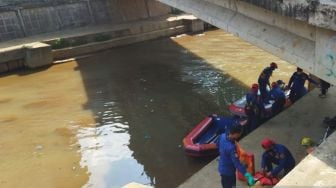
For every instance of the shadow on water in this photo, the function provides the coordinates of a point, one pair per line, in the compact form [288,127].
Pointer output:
[146,97]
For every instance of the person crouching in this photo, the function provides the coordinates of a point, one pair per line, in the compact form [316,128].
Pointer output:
[276,154]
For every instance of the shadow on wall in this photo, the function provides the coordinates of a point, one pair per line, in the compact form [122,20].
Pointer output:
[155,92]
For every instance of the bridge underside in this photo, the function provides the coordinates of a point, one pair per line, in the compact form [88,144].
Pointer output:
[298,42]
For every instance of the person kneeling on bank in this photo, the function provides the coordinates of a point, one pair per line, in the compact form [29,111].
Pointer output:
[228,159]
[276,154]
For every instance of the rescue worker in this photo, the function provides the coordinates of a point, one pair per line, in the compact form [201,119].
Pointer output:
[297,85]
[308,144]
[224,124]
[324,88]
[228,159]
[276,154]
[253,107]
[264,80]
[279,97]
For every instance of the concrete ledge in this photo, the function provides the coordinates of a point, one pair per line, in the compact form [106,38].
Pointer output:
[121,32]
[11,65]
[35,54]
[98,46]
[30,55]
[10,54]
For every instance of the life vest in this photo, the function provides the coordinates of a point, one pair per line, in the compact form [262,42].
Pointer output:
[260,177]
[247,160]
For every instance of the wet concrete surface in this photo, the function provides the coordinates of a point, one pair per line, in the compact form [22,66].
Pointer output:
[119,116]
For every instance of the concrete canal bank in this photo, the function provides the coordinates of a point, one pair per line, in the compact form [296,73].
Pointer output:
[304,118]
[42,50]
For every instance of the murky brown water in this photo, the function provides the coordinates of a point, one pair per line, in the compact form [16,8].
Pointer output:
[119,116]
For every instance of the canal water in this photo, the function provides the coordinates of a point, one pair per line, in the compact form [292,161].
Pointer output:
[119,116]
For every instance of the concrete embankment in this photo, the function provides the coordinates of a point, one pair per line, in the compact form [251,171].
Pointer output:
[37,51]
[304,118]
[24,18]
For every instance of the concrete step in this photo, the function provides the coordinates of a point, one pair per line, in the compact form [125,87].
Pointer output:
[122,41]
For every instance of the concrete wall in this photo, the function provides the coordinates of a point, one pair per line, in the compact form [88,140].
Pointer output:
[9,26]
[156,8]
[38,54]
[321,13]
[16,22]
[32,2]
[47,19]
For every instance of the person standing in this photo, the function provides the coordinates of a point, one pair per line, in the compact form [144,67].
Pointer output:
[276,154]
[279,97]
[297,85]
[264,80]
[228,159]
[253,107]
[324,88]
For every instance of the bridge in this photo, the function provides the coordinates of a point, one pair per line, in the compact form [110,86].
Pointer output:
[301,32]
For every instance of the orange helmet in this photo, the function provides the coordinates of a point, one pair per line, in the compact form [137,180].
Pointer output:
[274,65]
[255,86]
[267,143]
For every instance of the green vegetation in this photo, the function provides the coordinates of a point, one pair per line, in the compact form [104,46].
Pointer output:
[60,43]
[78,42]
[102,37]
[64,43]
[176,11]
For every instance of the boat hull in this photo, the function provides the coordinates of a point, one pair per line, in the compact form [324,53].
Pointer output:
[201,141]
[238,107]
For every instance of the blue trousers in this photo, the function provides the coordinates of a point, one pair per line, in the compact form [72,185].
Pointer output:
[297,93]
[228,181]
[263,89]
[278,105]
[269,167]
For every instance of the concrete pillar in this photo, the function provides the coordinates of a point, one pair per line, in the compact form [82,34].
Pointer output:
[195,25]
[37,55]
[311,86]
[325,62]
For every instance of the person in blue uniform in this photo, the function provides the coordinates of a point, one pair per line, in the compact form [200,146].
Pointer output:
[324,88]
[253,107]
[276,154]
[264,80]
[297,85]
[279,97]
[228,159]
[224,124]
